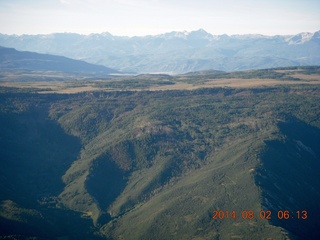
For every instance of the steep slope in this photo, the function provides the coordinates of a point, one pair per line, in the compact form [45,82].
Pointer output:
[11,59]
[35,152]
[289,178]
[183,208]
[155,165]
[177,52]
[167,147]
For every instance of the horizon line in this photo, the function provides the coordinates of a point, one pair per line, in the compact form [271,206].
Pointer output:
[159,34]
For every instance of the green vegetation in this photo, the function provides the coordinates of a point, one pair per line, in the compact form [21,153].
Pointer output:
[156,164]
[283,74]
[138,82]
[57,82]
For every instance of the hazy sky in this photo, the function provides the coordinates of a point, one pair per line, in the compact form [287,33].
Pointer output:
[149,17]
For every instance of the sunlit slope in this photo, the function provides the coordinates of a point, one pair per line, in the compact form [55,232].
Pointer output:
[182,209]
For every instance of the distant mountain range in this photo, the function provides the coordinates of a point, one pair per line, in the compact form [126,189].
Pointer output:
[13,59]
[176,52]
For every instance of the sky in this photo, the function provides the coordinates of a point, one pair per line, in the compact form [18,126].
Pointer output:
[151,17]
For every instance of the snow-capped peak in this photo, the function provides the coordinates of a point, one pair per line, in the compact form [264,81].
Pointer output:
[300,38]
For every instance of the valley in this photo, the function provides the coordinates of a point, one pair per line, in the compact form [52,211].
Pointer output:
[152,156]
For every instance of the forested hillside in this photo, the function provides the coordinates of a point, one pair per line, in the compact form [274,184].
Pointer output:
[158,164]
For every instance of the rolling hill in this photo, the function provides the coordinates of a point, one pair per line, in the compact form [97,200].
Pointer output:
[13,60]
